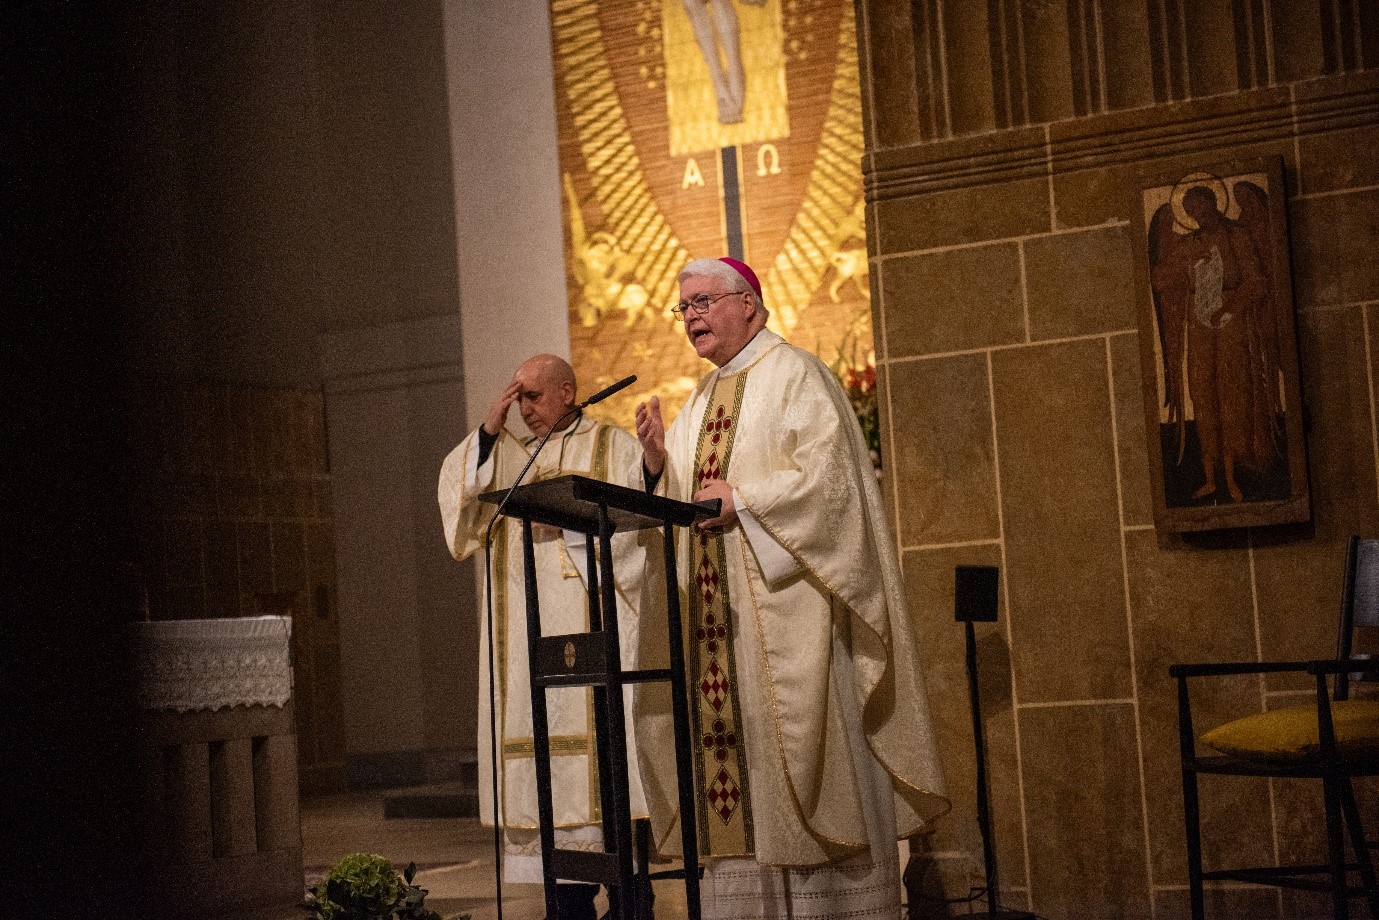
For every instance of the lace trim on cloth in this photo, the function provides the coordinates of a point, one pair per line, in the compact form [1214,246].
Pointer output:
[185,665]
[865,886]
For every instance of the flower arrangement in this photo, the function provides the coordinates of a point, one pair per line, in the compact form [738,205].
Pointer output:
[363,886]
[858,379]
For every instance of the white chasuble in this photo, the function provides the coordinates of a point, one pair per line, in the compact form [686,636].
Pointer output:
[588,449]
[832,724]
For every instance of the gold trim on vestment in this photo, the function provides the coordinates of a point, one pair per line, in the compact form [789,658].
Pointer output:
[567,563]
[733,835]
[591,731]
[499,587]
[595,793]
[728,375]
[456,544]
[599,469]
[561,746]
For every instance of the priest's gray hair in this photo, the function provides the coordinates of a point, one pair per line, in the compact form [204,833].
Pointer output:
[722,271]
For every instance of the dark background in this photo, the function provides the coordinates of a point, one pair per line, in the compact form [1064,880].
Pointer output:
[65,760]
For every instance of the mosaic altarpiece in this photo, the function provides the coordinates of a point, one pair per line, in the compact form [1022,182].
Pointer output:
[693,128]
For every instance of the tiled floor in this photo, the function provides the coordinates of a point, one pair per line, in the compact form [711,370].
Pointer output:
[454,857]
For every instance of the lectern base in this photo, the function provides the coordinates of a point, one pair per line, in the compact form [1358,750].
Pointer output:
[577,901]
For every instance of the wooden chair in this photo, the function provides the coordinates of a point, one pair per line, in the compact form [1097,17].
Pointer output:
[1331,739]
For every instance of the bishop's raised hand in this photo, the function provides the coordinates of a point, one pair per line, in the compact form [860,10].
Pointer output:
[651,431]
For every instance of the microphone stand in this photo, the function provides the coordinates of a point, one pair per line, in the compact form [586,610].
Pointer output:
[574,410]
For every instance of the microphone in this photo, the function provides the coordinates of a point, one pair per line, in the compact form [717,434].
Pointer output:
[608,391]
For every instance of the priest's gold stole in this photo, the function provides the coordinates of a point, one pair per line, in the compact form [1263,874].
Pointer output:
[688,128]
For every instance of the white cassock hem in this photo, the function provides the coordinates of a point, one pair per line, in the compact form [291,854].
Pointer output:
[522,849]
[865,886]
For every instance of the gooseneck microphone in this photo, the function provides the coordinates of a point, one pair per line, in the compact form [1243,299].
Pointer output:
[608,391]
[488,603]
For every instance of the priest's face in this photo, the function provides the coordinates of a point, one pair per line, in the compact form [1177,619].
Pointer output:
[726,327]
[546,394]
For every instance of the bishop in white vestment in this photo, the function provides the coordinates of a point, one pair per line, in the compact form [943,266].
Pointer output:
[490,458]
[814,749]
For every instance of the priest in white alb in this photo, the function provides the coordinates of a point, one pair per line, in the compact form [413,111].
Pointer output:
[491,458]
[814,750]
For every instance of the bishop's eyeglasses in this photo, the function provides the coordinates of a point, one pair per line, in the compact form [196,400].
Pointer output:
[700,303]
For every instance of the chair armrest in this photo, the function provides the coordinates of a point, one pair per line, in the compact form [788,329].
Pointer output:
[1218,669]
[1344,666]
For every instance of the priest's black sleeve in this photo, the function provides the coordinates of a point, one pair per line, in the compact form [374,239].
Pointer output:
[486,442]
[648,480]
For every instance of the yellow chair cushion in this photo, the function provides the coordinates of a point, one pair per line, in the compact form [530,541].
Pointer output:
[1291,734]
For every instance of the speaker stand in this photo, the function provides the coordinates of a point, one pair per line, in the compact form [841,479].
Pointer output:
[994,911]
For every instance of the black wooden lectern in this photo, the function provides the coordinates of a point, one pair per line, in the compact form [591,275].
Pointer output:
[593,659]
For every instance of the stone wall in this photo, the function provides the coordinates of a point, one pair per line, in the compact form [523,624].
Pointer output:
[1005,140]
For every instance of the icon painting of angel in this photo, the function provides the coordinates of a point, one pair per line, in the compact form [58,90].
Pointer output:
[1218,350]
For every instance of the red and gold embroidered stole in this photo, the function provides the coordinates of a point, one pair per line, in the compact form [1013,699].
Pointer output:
[720,763]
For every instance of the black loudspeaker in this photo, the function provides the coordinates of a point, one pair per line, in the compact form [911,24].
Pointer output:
[975,592]
[975,600]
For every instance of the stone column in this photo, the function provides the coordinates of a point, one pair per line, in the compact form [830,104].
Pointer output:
[408,627]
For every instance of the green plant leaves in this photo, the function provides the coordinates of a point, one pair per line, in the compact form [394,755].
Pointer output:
[365,886]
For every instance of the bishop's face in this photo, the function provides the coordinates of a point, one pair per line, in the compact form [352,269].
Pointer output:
[723,330]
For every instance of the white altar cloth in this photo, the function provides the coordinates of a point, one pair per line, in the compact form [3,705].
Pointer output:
[185,665]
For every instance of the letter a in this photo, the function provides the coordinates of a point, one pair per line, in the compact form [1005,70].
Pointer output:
[692,175]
